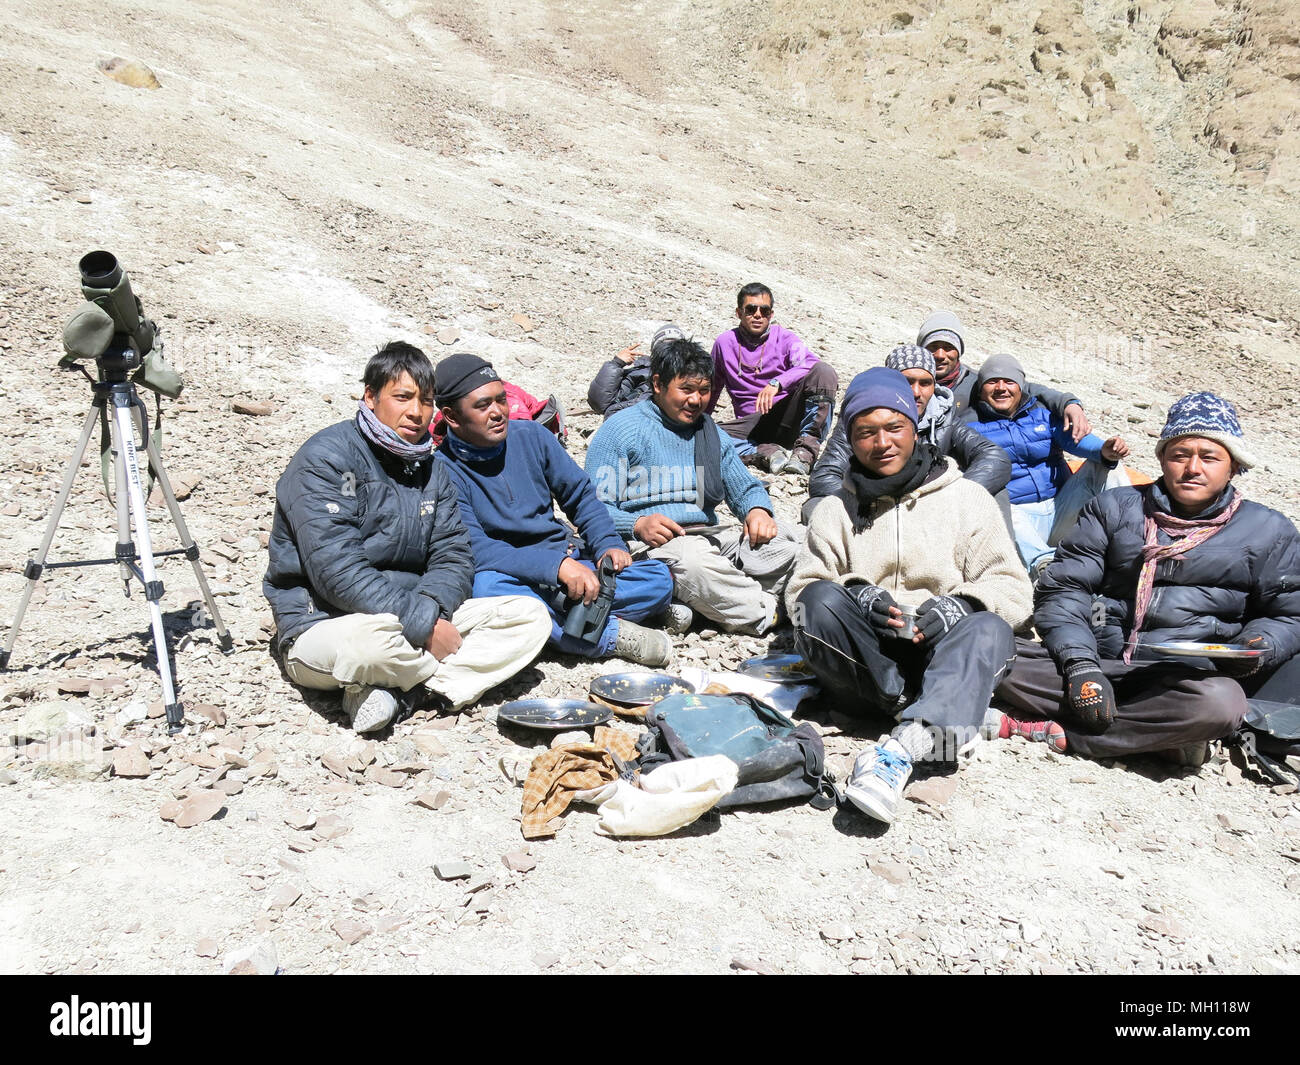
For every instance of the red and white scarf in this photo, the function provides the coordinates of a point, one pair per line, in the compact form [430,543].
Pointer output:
[1188,533]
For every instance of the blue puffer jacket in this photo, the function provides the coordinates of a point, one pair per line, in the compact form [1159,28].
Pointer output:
[359,531]
[1035,438]
[1244,581]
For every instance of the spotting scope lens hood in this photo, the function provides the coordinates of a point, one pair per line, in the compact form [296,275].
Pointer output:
[100,269]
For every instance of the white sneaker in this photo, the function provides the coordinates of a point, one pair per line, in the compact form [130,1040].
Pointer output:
[369,709]
[879,776]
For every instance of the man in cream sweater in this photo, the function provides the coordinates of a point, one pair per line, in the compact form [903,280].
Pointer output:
[906,533]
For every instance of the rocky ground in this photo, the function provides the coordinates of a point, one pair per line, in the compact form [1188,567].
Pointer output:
[544,183]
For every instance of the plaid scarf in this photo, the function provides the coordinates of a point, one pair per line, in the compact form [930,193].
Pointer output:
[1188,533]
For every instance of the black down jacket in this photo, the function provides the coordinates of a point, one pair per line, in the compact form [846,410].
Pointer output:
[981,460]
[359,531]
[1242,582]
[617,386]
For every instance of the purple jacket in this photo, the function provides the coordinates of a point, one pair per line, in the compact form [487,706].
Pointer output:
[745,371]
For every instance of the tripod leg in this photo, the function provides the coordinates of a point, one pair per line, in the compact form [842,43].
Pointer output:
[34,566]
[121,501]
[187,541]
[153,588]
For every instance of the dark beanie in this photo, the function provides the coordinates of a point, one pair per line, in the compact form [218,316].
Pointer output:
[458,375]
[878,387]
[1000,366]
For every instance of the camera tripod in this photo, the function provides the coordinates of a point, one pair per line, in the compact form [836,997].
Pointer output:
[115,400]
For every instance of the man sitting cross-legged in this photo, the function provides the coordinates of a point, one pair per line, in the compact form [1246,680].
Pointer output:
[370,568]
[906,530]
[510,474]
[662,467]
[1184,559]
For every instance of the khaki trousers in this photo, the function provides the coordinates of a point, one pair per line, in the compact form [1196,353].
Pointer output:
[720,576]
[501,635]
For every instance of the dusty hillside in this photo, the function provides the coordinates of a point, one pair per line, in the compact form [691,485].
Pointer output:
[544,183]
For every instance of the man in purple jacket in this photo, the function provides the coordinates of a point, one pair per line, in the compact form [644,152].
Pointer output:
[781,392]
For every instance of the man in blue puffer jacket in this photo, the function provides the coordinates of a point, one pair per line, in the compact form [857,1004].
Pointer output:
[1045,496]
[1184,559]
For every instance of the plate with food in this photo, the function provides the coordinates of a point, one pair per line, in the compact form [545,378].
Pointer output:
[787,669]
[637,689]
[1192,649]
[554,714]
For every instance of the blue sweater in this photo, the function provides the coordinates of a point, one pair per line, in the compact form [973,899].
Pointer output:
[1034,437]
[506,504]
[641,464]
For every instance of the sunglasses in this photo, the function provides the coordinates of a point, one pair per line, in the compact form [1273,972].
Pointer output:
[764,310]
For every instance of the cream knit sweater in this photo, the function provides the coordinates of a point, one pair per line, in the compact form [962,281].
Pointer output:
[946,538]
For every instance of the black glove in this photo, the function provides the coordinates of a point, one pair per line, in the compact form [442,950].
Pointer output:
[940,613]
[1091,697]
[1244,667]
[875,602]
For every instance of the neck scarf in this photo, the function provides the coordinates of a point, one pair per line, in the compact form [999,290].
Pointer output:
[381,436]
[951,379]
[469,453]
[868,487]
[1188,533]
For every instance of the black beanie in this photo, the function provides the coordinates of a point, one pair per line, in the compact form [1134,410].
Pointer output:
[458,375]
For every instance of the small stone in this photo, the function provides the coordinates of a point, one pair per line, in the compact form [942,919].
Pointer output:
[1164,926]
[131,762]
[428,744]
[431,800]
[11,510]
[933,791]
[448,335]
[891,872]
[836,931]
[206,948]
[169,811]
[299,819]
[751,966]
[519,862]
[213,713]
[128,72]
[387,777]
[1030,932]
[523,321]
[283,897]
[131,714]
[7,777]
[451,870]
[199,807]
[1293,884]
[331,826]
[544,959]
[260,959]
[255,408]
[336,765]
[351,931]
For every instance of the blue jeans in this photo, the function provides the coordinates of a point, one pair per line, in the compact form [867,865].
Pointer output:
[1040,526]
[643,590]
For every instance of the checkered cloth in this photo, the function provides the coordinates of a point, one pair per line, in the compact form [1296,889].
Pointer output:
[557,774]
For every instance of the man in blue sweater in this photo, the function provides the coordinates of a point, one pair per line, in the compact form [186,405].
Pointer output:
[509,475]
[1045,496]
[662,466]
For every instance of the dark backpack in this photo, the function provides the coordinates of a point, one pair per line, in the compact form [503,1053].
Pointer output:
[778,760]
[1270,736]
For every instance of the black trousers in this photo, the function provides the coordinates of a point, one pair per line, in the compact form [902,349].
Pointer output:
[780,427]
[1160,705]
[953,679]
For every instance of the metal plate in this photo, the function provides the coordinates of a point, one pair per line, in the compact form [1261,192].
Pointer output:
[1204,650]
[637,689]
[788,669]
[555,714]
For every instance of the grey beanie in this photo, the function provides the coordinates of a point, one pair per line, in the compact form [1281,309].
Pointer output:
[1004,366]
[666,332]
[910,357]
[945,326]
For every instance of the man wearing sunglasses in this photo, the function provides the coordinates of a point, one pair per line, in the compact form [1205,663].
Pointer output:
[782,394]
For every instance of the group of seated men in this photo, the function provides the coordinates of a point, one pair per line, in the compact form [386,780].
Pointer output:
[943,528]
